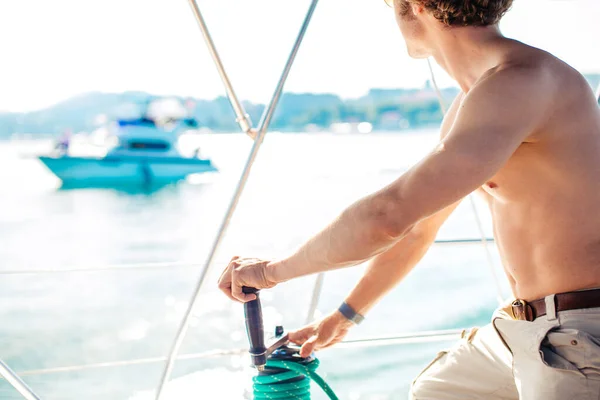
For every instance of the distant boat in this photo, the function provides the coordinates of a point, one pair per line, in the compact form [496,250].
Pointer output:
[351,127]
[141,151]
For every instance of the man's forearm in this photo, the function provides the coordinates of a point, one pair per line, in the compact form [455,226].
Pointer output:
[386,270]
[359,233]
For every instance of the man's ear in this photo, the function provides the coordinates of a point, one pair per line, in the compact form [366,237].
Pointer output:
[417,8]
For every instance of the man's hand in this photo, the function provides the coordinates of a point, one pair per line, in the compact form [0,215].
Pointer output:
[322,334]
[250,272]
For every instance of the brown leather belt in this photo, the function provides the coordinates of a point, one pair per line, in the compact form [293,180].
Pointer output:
[529,311]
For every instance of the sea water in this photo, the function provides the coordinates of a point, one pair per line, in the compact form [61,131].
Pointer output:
[298,184]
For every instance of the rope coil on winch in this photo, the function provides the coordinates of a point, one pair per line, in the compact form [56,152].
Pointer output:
[291,380]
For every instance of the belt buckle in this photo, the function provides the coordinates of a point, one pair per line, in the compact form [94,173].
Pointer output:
[521,311]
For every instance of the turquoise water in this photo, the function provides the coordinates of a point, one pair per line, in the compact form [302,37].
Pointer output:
[298,184]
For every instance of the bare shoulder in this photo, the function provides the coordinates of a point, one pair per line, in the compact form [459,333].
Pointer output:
[563,92]
[513,82]
[528,91]
[570,89]
[509,99]
[568,83]
[532,77]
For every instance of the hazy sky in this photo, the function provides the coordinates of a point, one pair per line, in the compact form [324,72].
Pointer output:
[53,49]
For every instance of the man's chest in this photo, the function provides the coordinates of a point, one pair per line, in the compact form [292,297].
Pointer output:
[521,178]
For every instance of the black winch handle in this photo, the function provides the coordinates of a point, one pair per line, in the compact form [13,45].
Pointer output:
[255,329]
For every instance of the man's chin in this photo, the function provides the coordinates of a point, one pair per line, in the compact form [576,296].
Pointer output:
[417,55]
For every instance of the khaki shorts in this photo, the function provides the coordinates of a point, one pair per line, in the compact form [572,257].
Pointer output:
[557,356]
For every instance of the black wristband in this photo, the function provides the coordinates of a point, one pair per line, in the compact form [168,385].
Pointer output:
[350,314]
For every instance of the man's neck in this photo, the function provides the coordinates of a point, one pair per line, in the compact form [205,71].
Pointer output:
[467,53]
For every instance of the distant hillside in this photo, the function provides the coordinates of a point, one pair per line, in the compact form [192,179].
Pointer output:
[385,109]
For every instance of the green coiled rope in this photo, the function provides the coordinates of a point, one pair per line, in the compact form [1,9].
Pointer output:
[276,386]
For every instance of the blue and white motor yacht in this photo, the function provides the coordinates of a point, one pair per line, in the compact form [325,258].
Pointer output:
[139,151]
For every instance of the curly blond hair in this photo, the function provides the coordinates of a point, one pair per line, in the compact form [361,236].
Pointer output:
[462,12]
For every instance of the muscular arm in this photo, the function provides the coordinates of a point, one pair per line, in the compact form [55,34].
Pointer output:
[495,117]
[387,269]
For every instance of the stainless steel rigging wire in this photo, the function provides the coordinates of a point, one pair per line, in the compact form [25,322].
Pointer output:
[262,129]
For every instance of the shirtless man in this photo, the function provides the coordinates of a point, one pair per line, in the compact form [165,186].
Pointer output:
[525,134]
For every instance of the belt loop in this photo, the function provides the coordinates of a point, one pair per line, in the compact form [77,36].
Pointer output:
[551,307]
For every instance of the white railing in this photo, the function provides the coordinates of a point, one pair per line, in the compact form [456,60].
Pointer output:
[377,341]
[16,382]
[14,378]
[174,264]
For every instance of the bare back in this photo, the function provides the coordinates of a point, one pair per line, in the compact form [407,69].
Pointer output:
[544,201]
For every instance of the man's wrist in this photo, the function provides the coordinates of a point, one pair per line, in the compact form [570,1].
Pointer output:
[350,314]
[273,271]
